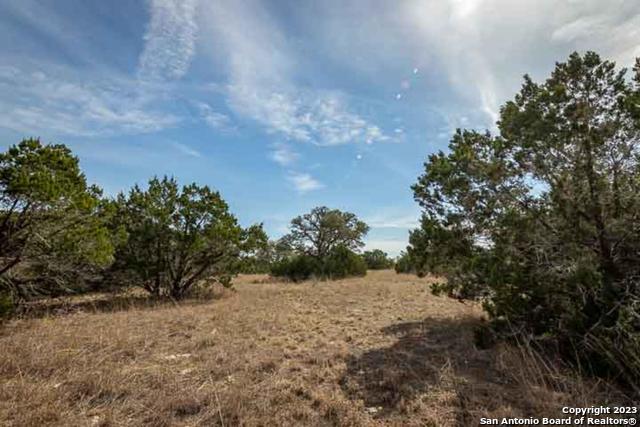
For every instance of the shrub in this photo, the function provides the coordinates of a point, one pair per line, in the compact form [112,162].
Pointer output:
[377,260]
[6,305]
[341,263]
[179,236]
[296,268]
[404,264]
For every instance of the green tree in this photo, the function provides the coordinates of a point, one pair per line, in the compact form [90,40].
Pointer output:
[52,227]
[342,262]
[377,259]
[318,232]
[261,259]
[541,221]
[404,263]
[179,236]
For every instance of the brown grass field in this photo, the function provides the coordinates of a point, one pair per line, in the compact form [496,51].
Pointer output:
[378,350]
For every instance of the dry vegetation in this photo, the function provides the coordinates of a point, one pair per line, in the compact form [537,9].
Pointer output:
[378,350]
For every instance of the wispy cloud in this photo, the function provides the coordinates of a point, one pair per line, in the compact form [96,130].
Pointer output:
[53,99]
[213,118]
[185,149]
[262,84]
[61,103]
[304,183]
[487,45]
[318,117]
[283,154]
[169,40]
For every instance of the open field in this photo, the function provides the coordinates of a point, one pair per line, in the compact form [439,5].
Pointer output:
[379,350]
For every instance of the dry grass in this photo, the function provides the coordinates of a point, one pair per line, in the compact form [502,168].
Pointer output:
[379,350]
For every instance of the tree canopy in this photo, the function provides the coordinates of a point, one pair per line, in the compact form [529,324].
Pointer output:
[377,259]
[178,236]
[50,226]
[541,221]
[320,231]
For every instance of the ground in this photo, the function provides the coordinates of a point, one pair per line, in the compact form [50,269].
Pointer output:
[378,350]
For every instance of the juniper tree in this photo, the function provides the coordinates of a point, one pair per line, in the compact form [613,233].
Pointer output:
[52,226]
[541,220]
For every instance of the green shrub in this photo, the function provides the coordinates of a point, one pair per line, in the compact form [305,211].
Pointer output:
[6,305]
[342,263]
[179,236]
[296,268]
[404,264]
[377,260]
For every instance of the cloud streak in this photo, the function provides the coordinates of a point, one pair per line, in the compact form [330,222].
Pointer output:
[39,102]
[170,39]
[283,154]
[304,183]
[262,81]
[214,119]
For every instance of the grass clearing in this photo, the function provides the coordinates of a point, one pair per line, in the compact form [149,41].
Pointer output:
[377,350]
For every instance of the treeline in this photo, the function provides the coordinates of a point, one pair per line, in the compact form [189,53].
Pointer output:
[59,235]
[323,244]
[541,222]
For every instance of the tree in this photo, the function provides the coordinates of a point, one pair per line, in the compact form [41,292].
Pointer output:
[377,259]
[318,232]
[404,263]
[51,223]
[264,256]
[541,221]
[177,237]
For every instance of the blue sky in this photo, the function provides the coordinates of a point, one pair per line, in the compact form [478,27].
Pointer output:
[283,105]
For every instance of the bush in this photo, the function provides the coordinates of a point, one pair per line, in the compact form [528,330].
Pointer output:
[340,263]
[6,305]
[404,264]
[377,260]
[177,237]
[296,268]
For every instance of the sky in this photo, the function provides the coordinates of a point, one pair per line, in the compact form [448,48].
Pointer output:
[283,105]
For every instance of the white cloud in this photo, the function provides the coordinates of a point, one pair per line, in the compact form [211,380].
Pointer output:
[303,182]
[261,69]
[60,103]
[185,149]
[49,99]
[283,154]
[169,40]
[477,50]
[213,118]
[487,45]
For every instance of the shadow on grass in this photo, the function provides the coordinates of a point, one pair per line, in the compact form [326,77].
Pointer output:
[105,303]
[432,357]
